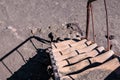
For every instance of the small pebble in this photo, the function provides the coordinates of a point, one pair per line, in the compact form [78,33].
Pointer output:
[11,28]
[49,27]
[56,3]
[33,31]
[50,35]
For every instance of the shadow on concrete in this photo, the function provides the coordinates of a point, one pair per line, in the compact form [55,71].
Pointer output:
[115,75]
[36,68]
[33,69]
[35,37]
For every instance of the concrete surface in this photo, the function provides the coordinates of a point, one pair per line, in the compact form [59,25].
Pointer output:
[19,17]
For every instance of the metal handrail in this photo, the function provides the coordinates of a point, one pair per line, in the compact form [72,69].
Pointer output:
[89,9]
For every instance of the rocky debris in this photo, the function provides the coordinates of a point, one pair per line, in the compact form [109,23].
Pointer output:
[35,31]
[69,30]
[74,27]
[12,29]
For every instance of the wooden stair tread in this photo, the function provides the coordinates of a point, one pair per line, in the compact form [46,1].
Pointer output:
[75,52]
[70,57]
[104,70]
[63,43]
[80,65]
[73,48]
[77,58]
[66,45]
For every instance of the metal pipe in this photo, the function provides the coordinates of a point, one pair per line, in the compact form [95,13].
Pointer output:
[107,26]
[88,20]
[92,18]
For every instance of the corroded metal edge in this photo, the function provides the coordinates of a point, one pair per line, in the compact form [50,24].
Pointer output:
[53,63]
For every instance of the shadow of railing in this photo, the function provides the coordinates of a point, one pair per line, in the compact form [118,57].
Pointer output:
[115,75]
[34,69]
[35,37]
[40,59]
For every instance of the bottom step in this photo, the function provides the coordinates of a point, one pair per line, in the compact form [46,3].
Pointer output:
[97,73]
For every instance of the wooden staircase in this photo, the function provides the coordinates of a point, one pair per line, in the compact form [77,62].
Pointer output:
[76,60]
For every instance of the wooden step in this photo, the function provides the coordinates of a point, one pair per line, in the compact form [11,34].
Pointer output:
[73,48]
[78,58]
[80,65]
[81,43]
[68,50]
[60,47]
[96,73]
[58,56]
[64,43]
[103,57]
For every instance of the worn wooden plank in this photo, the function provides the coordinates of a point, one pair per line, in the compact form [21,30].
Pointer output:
[73,48]
[79,43]
[103,57]
[65,45]
[95,73]
[80,65]
[67,49]
[79,50]
[78,58]
[58,56]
